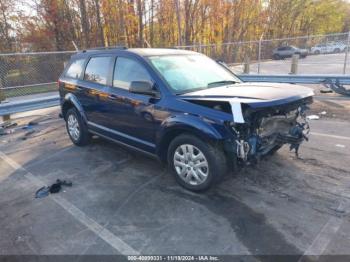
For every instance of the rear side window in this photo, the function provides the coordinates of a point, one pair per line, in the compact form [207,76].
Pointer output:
[127,70]
[97,69]
[75,69]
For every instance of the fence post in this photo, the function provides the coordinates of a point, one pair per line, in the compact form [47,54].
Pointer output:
[246,69]
[346,53]
[2,93]
[294,66]
[259,53]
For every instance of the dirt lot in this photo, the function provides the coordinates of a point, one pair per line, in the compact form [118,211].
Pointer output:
[122,202]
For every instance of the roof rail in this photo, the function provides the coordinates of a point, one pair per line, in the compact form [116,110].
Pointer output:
[104,48]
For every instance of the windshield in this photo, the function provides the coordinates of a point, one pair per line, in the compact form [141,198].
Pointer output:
[187,73]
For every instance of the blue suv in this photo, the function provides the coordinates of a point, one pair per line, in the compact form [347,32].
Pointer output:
[182,107]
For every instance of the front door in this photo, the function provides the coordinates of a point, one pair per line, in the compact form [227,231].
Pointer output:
[130,115]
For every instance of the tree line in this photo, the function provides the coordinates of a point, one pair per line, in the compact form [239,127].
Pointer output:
[42,25]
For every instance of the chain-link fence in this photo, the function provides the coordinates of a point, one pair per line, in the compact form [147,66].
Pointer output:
[319,54]
[30,73]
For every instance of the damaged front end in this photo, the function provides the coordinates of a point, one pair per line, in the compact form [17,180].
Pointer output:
[260,127]
[265,130]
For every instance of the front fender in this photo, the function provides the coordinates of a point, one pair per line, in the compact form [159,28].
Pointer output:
[71,99]
[201,127]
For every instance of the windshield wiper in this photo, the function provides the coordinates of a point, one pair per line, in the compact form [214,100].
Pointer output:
[224,82]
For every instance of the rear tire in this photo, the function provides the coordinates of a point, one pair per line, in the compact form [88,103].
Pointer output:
[196,165]
[76,128]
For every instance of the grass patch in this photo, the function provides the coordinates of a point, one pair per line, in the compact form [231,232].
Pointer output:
[29,90]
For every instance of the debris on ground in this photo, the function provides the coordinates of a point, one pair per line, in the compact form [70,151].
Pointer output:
[42,192]
[312,117]
[4,132]
[28,133]
[340,145]
[33,123]
[336,87]
[27,127]
[53,189]
[325,91]
[8,124]
[31,131]
[339,210]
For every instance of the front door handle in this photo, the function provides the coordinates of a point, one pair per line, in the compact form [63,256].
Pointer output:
[112,97]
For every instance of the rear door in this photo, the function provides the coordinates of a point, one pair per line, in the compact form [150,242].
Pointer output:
[68,82]
[92,88]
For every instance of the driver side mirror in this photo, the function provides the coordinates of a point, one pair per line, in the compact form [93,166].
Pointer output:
[143,87]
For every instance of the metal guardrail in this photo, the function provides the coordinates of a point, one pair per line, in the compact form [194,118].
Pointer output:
[296,79]
[53,100]
[29,105]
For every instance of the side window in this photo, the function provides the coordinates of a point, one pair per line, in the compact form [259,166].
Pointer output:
[97,69]
[75,68]
[127,70]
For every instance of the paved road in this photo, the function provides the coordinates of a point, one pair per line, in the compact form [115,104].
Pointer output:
[313,64]
[124,203]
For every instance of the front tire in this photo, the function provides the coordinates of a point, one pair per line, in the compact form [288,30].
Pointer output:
[195,164]
[76,128]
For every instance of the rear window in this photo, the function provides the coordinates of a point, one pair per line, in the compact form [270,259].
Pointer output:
[75,68]
[97,69]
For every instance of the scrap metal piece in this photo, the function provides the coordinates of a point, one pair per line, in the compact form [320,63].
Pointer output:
[243,148]
[236,108]
[42,192]
[300,131]
[336,87]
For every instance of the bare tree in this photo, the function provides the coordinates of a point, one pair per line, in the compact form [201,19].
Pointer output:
[99,24]
[178,16]
[84,23]
[140,23]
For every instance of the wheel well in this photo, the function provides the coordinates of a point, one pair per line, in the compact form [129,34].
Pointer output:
[65,107]
[165,142]
[170,136]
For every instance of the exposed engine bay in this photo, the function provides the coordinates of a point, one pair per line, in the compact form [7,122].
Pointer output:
[265,133]
[259,131]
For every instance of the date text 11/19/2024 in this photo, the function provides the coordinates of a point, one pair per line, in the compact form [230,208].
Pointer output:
[173,258]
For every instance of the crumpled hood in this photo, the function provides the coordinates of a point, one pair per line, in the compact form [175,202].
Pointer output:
[256,95]
[255,91]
